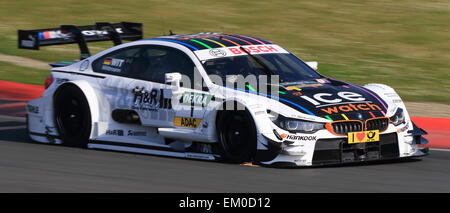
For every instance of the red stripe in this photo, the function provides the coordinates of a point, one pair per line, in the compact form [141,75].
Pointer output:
[373,116]
[20,92]
[240,39]
[229,41]
[46,34]
[433,123]
[16,105]
[253,39]
[438,130]
[13,109]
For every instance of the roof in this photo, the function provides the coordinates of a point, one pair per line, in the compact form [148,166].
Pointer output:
[201,41]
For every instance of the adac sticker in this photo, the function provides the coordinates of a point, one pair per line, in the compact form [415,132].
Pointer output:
[187,122]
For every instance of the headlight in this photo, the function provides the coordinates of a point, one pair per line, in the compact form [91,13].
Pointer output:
[294,125]
[398,118]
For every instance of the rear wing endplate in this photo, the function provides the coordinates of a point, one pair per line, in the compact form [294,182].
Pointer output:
[70,34]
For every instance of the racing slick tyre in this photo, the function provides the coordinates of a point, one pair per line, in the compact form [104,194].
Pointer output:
[237,136]
[72,116]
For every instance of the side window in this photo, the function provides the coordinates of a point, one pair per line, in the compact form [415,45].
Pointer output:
[120,62]
[164,60]
[146,62]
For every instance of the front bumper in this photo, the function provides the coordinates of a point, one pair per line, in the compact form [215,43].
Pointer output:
[335,151]
[328,151]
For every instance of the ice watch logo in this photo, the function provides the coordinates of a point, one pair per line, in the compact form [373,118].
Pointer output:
[349,98]
[320,99]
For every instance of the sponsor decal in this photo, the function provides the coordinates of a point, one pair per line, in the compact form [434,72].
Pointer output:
[309,85]
[199,156]
[55,34]
[289,88]
[33,109]
[297,93]
[322,80]
[98,32]
[51,35]
[298,137]
[112,65]
[29,43]
[204,148]
[328,98]
[351,108]
[297,87]
[150,100]
[136,133]
[218,53]
[206,54]
[116,62]
[115,132]
[359,116]
[187,122]
[405,127]
[110,69]
[353,102]
[363,137]
[195,99]
[254,49]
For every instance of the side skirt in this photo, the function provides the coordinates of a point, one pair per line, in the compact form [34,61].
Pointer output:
[146,149]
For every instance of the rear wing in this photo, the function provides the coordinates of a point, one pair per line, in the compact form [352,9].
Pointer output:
[70,34]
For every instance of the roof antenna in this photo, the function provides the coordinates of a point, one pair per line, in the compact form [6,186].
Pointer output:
[171,33]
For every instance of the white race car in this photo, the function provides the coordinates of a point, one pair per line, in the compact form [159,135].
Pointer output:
[212,96]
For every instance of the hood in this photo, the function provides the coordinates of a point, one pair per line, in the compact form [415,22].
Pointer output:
[332,99]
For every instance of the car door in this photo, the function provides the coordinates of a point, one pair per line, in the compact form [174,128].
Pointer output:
[188,99]
[132,86]
[137,83]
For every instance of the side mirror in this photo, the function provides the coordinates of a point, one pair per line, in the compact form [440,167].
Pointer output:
[173,79]
[312,64]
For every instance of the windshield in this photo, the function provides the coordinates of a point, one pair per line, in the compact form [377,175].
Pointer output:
[288,67]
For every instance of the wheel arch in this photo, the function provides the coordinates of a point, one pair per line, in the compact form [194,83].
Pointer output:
[388,94]
[89,93]
[236,105]
[252,110]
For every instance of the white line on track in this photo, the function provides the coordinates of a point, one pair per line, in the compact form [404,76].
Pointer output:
[444,150]
[12,118]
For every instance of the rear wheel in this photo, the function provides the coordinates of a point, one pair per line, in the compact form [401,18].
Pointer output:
[237,136]
[72,116]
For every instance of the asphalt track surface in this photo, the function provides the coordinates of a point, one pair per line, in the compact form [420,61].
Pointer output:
[33,167]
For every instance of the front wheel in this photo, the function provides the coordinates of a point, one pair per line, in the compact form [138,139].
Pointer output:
[237,136]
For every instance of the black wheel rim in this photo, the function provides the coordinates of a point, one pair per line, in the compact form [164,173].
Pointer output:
[235,136]
[70,117]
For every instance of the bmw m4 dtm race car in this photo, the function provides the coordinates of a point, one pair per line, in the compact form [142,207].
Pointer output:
[211,96]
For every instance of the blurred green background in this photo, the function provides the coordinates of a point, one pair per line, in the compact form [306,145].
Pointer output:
[405,44]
